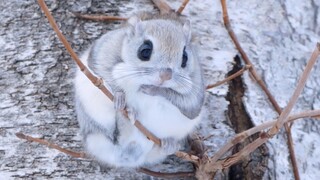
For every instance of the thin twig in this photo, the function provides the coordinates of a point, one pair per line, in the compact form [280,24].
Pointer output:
[166,175]
[96,81]
[245,134]
[51,145]
[207,137]
[225,163]
[147,133]
[261,83]
[297,92]
[229,78]
[287,127]
[162,6]
[189,157]
[99,17]
[239,155]
[183,5]
[245,57]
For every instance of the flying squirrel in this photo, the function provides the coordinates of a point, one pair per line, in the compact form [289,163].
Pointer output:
[152,67]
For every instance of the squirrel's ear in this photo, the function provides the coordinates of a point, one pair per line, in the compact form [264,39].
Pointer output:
[187,30]
[135,26]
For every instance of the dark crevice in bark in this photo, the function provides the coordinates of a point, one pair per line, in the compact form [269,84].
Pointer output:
[255,165]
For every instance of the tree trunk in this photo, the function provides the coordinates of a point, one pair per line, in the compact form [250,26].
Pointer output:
[37,96]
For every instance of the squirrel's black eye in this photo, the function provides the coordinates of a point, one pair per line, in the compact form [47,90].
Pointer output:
[145,51]
[184,58]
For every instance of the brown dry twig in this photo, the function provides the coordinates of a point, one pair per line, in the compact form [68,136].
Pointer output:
[189,157]
[51,145]
[96,81]
[255,75]
[239,73]
[183,5]
[212,166]
[207,167]
[99,17]
[302,81]
[245,134]
[166,175]
[163,6]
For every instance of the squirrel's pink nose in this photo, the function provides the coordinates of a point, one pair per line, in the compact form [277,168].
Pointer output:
[165,74]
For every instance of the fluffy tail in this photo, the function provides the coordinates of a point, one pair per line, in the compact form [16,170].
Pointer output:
[129,155]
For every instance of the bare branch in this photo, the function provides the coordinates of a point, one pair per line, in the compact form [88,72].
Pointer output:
[162,6]
[166,175]
[239,73]
[99,17]
[222,164]
[96,81]
[303,79]
[51,145]
[189,157]
[245,134]
[147,133]
[183,5]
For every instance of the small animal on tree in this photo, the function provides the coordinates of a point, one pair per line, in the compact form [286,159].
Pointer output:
[152,67]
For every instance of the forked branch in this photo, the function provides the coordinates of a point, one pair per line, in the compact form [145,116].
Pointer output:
[245,134]
[255,75]
[297,92]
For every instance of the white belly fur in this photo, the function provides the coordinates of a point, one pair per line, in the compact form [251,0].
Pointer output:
[161,117]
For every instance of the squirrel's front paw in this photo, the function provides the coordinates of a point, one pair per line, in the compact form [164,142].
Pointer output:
[119,100]
[150,90]
[169,145]
[132,114]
